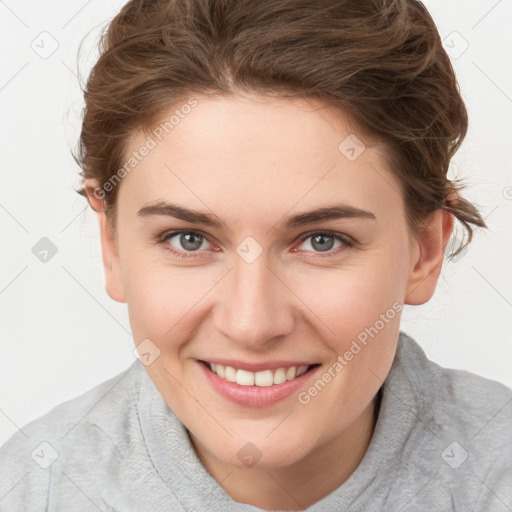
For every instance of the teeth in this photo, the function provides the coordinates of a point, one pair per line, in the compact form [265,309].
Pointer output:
[279,376]
[301,370]
[221,370]
[263,378]
[230,374]
[291,373]
[243,378]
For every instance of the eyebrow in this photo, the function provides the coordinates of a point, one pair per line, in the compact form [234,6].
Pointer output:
[337,211]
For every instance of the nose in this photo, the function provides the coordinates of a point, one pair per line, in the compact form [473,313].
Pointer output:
[255,308]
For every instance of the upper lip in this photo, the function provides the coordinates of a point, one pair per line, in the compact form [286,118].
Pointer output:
[256,367]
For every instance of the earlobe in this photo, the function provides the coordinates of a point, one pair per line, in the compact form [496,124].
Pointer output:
[114,285]
[427,258]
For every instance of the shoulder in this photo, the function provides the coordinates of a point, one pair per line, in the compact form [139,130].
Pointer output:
[464,421]
[29,456]
[458,399]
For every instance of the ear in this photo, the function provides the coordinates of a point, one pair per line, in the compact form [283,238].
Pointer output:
[113,281]
[428,257]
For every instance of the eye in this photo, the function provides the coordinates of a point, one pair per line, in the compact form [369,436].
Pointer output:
[184,243]
[323,242]
[190,244]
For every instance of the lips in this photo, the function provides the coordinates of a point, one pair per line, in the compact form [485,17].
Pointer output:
[256,391]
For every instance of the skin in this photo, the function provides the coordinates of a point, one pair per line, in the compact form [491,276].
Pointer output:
[252,161]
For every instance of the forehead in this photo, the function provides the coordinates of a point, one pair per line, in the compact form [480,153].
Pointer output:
[253,154]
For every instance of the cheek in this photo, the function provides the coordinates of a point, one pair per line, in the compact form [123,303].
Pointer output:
[358,311]
[357,314]
[163,301]
[349,299]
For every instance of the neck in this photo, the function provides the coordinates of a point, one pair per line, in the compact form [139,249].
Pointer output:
[303,483]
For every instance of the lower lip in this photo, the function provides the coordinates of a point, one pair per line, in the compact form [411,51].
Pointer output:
[255,396]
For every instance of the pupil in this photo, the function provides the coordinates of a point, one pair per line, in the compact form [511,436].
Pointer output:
[322,246]
[187,244]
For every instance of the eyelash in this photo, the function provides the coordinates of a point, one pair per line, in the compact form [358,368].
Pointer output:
[162,239]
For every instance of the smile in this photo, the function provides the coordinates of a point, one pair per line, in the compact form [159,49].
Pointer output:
[259,388]
[263,378]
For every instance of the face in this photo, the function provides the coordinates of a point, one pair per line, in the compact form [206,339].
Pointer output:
[255,283]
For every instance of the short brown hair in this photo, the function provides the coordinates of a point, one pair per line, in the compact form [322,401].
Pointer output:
[379,62]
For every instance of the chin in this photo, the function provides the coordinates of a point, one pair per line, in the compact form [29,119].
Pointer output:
[263,454]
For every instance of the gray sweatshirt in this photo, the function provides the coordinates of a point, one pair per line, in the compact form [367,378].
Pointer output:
[442,442]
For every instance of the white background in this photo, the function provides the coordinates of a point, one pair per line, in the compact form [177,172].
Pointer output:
[60,333]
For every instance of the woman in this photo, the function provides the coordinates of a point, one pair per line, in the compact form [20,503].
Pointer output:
[270,181]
